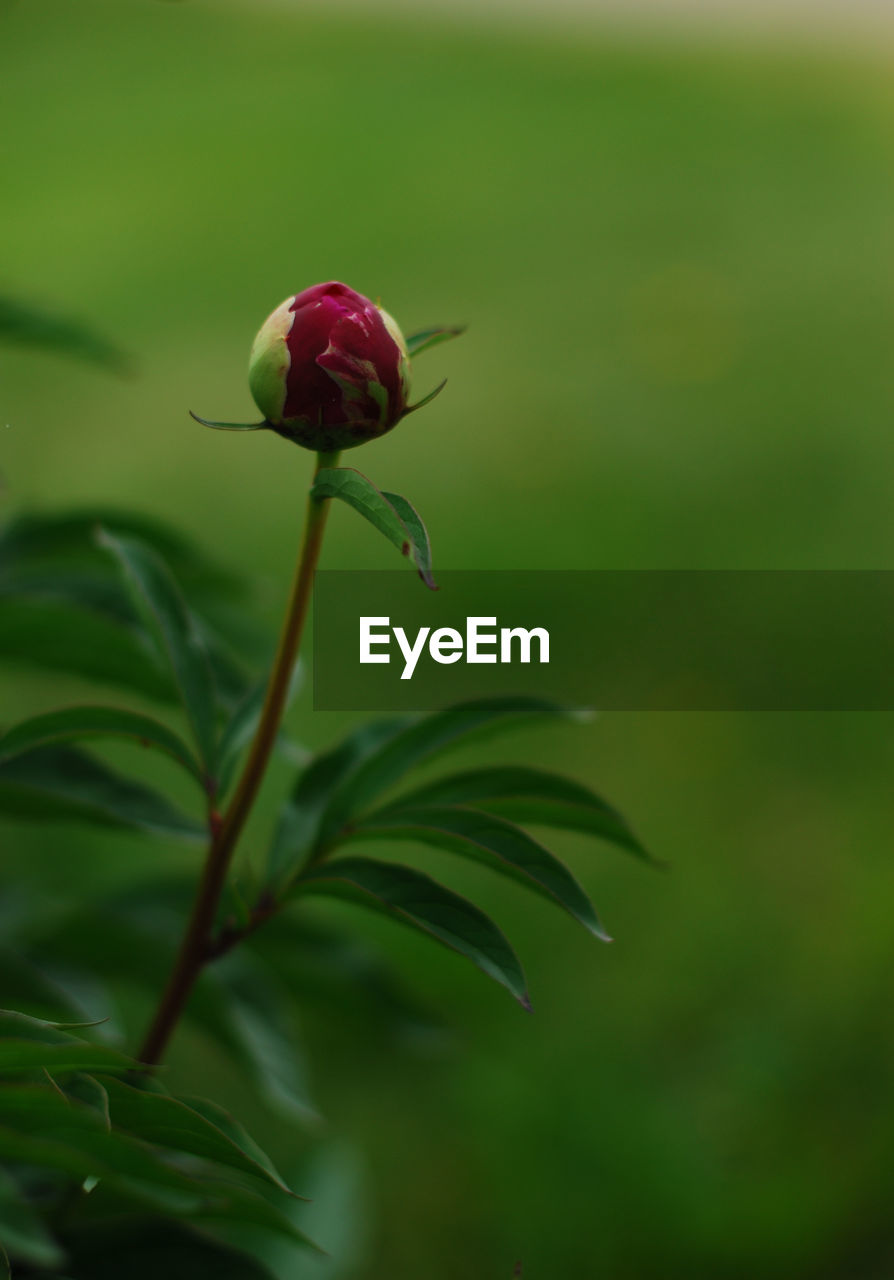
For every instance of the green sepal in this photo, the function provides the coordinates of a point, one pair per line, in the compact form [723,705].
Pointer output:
[420,404]
[233,426]
[424,339]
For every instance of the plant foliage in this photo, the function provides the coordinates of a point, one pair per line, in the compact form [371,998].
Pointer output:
[105,1170]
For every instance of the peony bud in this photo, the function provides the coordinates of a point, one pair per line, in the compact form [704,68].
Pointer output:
[329,369]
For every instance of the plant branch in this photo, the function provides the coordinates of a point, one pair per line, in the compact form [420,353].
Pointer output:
[196,949]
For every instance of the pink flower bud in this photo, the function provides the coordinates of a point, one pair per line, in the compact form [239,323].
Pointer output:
[329,369]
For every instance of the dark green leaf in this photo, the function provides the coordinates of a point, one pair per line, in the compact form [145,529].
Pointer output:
[233,1130]
[26,325]
[360,493]
[424,339]
[238,733]
[88,1090]
[96,646]
[64,784]
[20,1056]
[241,726]
[238,1002]
[528,795]
[23,1026]
[336,970]
[40,1126]
[490,840]
[419,741]
[55,580]
[35,986]
[337,1214]
[242,1206]
[255,1021]
[178,633]
[66,541]
[416,899]
[170,1122]
[22,1233]
[31,1044]
[299,824]
[73,723]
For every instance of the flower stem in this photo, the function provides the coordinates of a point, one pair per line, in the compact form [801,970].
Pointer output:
[227,828]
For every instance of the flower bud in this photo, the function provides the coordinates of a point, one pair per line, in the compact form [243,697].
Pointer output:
[329,369]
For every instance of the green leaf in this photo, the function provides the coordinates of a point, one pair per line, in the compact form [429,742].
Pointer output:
[20,1056]
[23,1234]
[242,1206]
[178,633]
[28,326]
[64,784]
[239,1003]
[73,723]
[418,535]
[419,741]
[424,339]
[65,995]
[171,1122]
[25,1027]
[64,541]
[243,722]
[233,1130]
[360,493]
[299,824]
[55,580]
[337,1214]
[88,1090]
[255,1021]
[336,970]
[416,899]
[238,733]
[97,646]
[491,840]
[40,1126]
[32,1044]
[528,795]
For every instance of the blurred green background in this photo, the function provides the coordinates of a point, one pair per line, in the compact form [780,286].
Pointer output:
[677,266]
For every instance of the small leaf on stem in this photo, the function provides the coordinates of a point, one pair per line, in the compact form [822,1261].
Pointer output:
[407,534]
